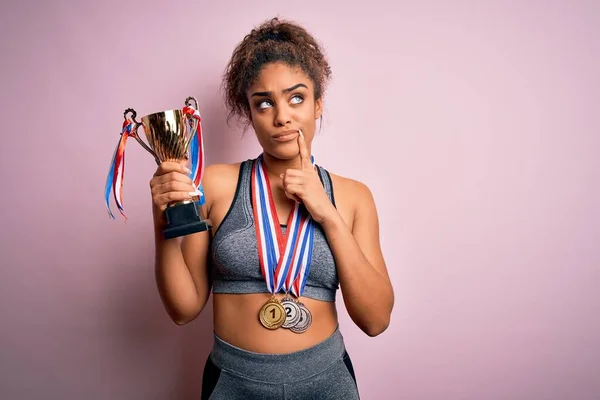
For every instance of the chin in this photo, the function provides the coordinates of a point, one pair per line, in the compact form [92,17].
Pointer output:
[284,152]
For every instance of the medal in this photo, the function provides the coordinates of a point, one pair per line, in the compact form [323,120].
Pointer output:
[292,312]
[284,258]
[272,314]
[305,320]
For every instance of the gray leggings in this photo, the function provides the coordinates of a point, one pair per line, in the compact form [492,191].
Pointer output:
[321,372]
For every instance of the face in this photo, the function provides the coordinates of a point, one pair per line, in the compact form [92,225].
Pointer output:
[281,102]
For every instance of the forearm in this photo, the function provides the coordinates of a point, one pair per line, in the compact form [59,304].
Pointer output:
[367,293]
[175,283]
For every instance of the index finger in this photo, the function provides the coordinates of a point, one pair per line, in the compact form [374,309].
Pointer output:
[304,156]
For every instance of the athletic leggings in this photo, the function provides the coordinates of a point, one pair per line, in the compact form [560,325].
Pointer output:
[321,372]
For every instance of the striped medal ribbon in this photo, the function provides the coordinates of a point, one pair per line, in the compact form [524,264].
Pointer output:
[284,258]
[303,319]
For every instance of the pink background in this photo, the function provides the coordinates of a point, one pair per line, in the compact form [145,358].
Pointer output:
[474,123]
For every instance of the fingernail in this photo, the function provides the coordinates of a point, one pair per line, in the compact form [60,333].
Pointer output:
[187,170]
[281,176]
[301,134]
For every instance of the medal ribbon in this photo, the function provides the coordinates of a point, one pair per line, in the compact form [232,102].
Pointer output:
[284,259]
[305,257]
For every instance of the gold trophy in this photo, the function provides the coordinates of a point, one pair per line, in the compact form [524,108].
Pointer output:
[172,135]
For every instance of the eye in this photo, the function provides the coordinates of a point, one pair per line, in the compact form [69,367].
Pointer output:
[264,104]
[297,99]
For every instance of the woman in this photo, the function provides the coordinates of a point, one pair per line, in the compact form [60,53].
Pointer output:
[274,284]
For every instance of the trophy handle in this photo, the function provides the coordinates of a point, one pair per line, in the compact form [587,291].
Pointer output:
[194,123]
[187,102]
[137,137]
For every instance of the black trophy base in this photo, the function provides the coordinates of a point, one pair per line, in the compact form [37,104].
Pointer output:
[183,219]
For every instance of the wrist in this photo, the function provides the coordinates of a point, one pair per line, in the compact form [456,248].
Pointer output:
[332,219]
[158,217]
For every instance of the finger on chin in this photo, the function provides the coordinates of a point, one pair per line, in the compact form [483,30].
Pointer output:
[303,149]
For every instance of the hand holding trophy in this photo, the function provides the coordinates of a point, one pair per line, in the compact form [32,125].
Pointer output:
[172,135]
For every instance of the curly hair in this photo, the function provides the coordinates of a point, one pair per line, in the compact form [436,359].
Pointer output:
[273,41]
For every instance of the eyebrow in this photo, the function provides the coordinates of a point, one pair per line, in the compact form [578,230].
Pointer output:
[296,86]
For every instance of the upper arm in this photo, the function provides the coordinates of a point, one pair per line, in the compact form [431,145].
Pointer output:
[365,227]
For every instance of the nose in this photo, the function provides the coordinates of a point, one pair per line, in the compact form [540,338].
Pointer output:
[283,116]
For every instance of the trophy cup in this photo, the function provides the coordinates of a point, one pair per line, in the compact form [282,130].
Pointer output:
[172,135]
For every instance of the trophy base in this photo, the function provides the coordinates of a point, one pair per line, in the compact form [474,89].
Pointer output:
[184,219]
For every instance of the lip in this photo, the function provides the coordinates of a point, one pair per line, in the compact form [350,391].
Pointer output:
[285,136]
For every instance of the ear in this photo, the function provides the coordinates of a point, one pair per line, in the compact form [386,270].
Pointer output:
[318,107]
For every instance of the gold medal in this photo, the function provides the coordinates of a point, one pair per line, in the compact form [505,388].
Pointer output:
[272,314]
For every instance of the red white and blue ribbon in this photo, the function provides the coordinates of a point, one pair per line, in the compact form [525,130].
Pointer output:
[305,256]
[284,258]
[196,152]
[114,180]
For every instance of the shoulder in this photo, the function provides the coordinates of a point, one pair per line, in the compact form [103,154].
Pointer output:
[351,194]
[351,188]
[220,180]
[215,172]
[355,201]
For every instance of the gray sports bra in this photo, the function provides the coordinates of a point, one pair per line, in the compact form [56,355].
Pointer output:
[234,250]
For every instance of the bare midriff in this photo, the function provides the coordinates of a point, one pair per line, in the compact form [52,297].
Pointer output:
[236,321]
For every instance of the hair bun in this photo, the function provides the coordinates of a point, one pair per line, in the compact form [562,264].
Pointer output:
[275,35]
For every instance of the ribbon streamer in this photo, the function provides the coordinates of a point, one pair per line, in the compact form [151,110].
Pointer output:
[196,152]
[114,180]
